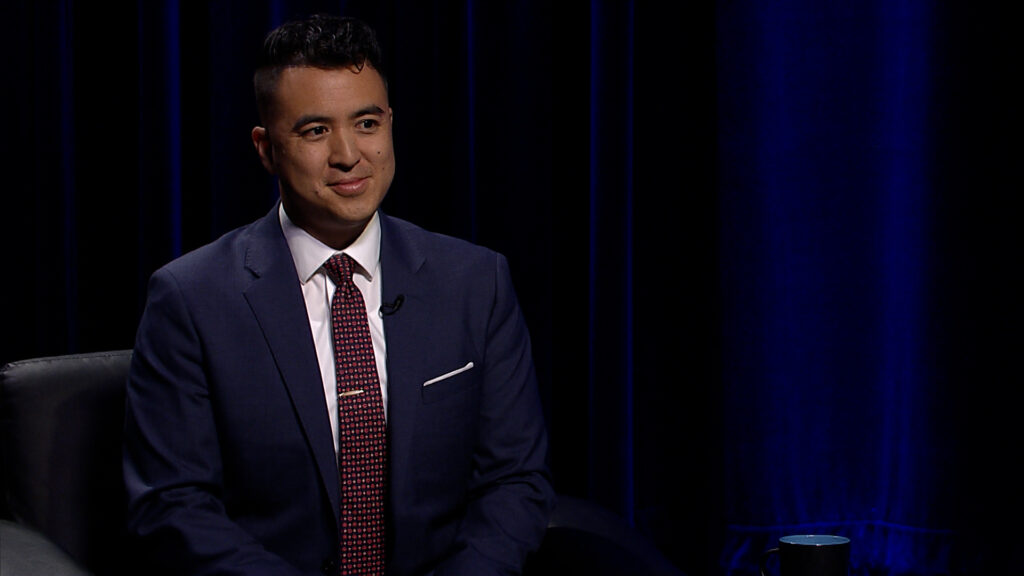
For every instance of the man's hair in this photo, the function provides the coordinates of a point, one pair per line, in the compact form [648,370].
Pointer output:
[320,41]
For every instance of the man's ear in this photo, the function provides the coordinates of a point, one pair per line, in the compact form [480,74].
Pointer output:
[261,140]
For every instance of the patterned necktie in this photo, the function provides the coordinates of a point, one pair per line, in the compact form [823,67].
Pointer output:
[361,446]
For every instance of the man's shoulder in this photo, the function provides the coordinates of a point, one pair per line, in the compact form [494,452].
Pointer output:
[436,243]
[223,252]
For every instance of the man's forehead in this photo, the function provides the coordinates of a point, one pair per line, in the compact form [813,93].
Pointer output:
[342,92]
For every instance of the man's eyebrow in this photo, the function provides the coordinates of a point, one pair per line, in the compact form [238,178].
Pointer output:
[371,110]
[309,119]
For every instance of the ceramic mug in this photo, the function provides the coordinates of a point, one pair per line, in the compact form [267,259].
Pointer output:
[810,555]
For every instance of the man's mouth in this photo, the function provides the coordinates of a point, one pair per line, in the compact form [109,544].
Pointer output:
[348,187]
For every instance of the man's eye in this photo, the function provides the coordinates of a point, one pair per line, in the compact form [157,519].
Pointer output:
[316,131]
[368,124]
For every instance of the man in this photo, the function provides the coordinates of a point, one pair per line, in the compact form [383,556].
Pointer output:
[237,403]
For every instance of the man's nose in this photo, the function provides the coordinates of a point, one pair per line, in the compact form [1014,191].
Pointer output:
[344,151]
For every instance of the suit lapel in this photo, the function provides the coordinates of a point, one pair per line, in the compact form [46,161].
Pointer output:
[401,263]
[276,300]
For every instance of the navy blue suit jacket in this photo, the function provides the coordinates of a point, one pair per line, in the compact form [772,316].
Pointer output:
[229,458]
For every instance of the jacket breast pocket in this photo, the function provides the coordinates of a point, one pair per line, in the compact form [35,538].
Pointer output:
[449,383]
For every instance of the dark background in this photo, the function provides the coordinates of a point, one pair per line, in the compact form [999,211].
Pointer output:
[767,251]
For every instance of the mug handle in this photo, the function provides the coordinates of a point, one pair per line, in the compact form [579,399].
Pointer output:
[764,560]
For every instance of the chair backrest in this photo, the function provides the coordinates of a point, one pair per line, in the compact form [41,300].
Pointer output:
[61,425]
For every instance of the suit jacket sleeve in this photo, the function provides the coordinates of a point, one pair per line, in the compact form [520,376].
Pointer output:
[510,495]
[173,468]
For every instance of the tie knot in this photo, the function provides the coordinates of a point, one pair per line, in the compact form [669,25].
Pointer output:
[339,268]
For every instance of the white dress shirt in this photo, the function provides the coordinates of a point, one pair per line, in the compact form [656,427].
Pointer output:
[309,254]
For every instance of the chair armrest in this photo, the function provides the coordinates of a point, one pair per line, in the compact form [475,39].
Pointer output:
[25,552]
[586,538]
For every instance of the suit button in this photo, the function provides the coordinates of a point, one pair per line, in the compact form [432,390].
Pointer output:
[329,567]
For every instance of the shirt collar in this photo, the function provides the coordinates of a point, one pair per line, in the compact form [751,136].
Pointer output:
[309,254]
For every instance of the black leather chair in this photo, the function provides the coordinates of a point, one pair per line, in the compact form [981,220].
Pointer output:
[587,539]
[61,424]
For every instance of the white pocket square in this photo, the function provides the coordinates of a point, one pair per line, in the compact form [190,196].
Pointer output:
[449,374]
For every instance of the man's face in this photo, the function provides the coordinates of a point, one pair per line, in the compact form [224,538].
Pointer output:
[328,139]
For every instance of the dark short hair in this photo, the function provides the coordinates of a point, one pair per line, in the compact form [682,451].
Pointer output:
[320,41]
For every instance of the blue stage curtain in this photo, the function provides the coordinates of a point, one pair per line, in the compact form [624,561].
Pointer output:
[842,412]
[767,251]
[832,421]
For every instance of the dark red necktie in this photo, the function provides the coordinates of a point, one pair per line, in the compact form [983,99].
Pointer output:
[361,445]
